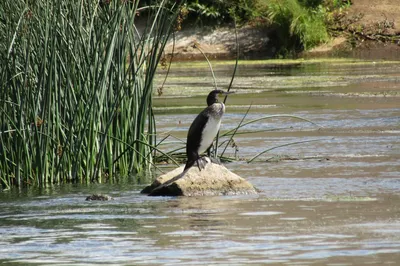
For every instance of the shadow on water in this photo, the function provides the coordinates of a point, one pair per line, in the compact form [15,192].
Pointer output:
[334,201]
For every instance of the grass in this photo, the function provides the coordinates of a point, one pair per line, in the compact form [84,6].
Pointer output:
[76,87]
[297,24]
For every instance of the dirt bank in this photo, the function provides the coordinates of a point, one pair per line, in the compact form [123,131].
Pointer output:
[367,29]
[380,17]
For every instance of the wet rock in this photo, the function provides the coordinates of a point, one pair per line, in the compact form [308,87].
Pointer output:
[99,197]
[214,180]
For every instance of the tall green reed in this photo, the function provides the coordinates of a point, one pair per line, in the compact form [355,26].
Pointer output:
[76,83]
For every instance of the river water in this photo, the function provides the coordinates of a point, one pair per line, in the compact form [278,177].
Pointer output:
[334,200]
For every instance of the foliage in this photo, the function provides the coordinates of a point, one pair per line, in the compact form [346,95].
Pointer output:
[311,3]
[298,25]
[338,3]
[76,88]
[211,12]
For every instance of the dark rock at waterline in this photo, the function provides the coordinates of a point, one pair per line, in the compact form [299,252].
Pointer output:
[214,180]
[99,197]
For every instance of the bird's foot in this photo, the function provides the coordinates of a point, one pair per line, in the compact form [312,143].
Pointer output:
[202,161]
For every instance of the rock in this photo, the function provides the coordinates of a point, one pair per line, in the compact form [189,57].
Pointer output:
[214,180]
[99,197]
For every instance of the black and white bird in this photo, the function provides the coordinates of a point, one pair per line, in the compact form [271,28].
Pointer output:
[204,129]
[201,135]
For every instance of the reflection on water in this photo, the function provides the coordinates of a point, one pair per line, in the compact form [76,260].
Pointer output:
[334,201]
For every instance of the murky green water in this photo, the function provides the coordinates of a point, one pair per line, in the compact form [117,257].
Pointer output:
[334,201]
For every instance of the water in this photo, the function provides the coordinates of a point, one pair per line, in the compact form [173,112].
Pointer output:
[293,221]
[332,201]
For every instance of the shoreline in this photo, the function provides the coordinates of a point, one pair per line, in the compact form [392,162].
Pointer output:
[220,44]
[364,30]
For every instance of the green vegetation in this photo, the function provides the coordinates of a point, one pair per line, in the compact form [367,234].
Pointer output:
[211,12]
[298,26]
[76,83]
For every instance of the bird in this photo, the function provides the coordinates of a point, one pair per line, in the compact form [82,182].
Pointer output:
[203,129]
[200,136]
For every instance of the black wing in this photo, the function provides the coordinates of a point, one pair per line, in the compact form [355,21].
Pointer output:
[195,135]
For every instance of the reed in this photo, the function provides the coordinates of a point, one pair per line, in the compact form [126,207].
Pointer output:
[76,83]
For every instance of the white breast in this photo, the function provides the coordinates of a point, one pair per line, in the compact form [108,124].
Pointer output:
[209,133]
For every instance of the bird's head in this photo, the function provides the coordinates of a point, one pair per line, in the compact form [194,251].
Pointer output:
[213,96]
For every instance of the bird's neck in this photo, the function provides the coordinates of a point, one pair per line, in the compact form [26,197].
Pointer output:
[211,100]
[216,110]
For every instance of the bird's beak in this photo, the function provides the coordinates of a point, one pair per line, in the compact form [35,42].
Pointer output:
[227,92]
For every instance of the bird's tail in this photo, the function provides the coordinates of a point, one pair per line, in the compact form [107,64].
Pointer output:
[156,191]
[189,164]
